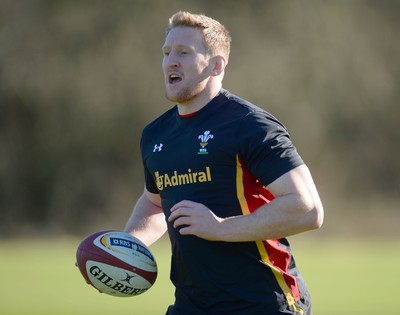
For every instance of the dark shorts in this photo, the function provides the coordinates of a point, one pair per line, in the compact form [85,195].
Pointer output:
[170,311]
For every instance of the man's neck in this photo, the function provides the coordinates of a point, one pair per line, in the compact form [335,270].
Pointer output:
[198,102]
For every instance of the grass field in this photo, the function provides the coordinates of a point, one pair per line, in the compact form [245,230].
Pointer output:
[345,277]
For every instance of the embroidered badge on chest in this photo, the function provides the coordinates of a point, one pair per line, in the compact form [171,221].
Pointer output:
[204,138]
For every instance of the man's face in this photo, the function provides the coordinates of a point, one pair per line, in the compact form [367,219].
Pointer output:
[185,65]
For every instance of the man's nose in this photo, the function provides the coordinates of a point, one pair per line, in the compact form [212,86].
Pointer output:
[171,60]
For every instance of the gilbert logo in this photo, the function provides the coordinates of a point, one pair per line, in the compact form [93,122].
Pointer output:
[101,276]
[177,179]
[204,141]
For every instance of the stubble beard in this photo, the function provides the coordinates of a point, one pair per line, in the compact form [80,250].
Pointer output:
[183,96]
[187,93]
[190,91]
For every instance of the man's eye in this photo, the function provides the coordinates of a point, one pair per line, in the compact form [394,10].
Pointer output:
[166,53]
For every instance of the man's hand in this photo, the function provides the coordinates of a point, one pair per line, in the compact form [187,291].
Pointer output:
[295,209]
[195,219]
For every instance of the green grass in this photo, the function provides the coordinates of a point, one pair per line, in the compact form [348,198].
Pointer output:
[350,276]
[344,277]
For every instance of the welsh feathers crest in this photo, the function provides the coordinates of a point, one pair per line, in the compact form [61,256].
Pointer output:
[204,138]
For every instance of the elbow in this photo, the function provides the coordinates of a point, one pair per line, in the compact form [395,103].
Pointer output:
[313,211]
[316,215]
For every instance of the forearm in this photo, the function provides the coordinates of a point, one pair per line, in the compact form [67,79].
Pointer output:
[147,221]
[295,209]
[284,216]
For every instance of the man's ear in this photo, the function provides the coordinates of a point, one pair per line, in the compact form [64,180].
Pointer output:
[218,64]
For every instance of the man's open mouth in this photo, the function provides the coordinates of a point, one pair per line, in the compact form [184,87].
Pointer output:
[174,78]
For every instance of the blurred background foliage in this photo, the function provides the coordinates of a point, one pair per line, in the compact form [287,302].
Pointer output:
[80,79]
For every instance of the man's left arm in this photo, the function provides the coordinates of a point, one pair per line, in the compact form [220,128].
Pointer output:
[296,208]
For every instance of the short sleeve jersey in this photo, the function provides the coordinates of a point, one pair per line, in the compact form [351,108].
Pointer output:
[224,156]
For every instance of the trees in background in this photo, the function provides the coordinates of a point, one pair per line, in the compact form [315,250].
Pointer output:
[79,80]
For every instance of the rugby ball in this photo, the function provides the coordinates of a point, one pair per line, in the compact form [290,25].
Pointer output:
[116,263]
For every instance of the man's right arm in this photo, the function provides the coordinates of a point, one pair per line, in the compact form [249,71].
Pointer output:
[147,221]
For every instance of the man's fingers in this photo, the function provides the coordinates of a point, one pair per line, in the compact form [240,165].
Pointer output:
[179,212]
[182,208]
[183,204]
[186,230]
[183,220]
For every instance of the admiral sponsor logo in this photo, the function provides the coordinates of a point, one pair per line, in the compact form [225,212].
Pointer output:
[165,180]
[113,284]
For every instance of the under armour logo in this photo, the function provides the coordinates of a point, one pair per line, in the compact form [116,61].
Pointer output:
[158,147]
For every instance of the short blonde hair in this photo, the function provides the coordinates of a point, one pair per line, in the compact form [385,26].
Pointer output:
[216,37]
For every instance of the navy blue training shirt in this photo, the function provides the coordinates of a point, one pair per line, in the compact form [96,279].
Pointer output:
[224,156]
